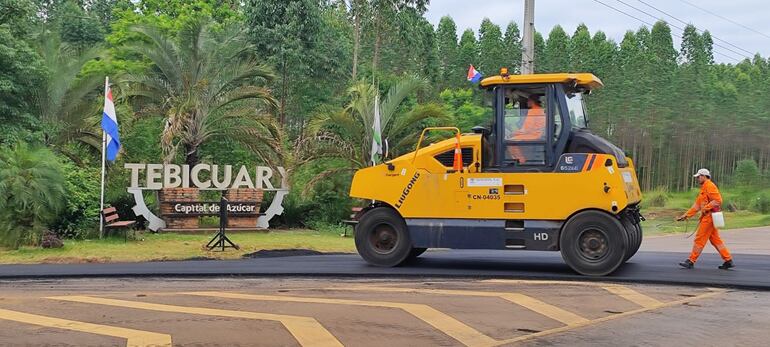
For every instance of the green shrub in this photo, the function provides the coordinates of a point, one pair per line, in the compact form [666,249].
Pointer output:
[739,200]
[80,216]
[762,203]
[656,198]
[32,193]
[747,173]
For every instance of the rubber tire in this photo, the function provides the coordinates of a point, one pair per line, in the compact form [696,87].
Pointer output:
[639,239]
[367,224]
[633,238]
[616,238]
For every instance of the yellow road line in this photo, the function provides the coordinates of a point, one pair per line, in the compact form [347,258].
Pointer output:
[529,302]
[632,295]
[608,318]
[134,338]
[439,320]
[619,290]
[306,330]
[565,283]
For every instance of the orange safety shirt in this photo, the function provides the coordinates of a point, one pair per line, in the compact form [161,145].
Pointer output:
[708,199]
[533,127]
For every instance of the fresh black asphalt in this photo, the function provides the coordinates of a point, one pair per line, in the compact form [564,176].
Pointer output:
[751,272]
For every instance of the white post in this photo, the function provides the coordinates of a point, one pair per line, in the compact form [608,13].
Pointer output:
[528,40]
[104,156]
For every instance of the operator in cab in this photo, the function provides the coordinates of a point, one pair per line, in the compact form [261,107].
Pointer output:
[532,128]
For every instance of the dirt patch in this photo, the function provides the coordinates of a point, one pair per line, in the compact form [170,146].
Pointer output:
[662,213]
[75,260]
[274,253]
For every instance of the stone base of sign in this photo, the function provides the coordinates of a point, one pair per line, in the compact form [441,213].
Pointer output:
[173,220]
[246,195]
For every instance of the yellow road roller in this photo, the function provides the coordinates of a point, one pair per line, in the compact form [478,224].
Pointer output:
[533,178]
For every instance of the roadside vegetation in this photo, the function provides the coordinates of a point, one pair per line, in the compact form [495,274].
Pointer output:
[294,83]
[744,208]
[173,246]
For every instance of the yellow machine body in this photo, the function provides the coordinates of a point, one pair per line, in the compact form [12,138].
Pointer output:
[419,186]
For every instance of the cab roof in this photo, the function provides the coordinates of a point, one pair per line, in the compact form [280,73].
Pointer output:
[585,80]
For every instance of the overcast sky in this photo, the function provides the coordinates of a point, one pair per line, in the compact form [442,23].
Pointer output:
[569,13]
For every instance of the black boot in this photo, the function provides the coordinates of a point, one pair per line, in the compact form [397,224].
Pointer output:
[687,264]
[728,264]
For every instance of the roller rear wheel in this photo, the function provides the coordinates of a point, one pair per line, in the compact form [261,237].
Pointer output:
[634,231]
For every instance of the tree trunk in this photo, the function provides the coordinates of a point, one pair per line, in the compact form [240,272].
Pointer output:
[377,44]
[356,41]
[284,94]
[191,155]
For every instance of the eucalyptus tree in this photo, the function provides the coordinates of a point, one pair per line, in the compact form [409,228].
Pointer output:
[286,33]
[555,57]
[492,52]
[208,84]
[468,54]
[512,46]
[446,50]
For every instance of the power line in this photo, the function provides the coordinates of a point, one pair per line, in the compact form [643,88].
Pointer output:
[680,28]
[725,18]
[685,23]
[650,24]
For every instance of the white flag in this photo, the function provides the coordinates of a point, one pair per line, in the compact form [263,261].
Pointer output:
[377,132]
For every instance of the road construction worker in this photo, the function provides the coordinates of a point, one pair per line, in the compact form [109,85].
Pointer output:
[709,200]
[532,129]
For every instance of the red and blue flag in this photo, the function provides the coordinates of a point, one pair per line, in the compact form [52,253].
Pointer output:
[110,125]
[473,75]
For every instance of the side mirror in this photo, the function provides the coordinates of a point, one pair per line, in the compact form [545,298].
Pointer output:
[480,130]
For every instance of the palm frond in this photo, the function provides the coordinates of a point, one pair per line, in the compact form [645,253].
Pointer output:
[396,95]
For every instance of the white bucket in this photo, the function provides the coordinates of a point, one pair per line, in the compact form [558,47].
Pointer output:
[719,219]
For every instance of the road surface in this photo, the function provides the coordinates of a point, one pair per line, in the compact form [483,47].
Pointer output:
[336,312]
[648,266]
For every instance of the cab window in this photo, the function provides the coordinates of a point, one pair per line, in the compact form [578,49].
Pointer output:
[576,109]
[525,125]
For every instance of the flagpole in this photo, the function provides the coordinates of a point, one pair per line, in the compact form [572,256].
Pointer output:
[104,152]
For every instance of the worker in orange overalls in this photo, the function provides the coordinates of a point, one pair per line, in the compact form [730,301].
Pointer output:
[708,200]
[532,128]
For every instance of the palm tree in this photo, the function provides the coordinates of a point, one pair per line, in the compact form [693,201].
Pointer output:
[66,101]
[347,134]
[207,84]
[31,192]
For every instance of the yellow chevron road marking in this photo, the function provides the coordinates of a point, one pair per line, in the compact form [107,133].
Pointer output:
[632,295]
[306,330]
[619,290]
[712,293]
[134,338]
[439,320]
[529,302]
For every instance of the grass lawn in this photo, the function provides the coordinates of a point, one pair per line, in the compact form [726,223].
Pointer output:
[660,219]
[172,246]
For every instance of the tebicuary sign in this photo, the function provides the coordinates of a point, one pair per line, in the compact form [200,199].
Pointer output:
[205,177]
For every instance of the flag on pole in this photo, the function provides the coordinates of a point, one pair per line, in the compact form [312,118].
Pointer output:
[110,124]
[473,75]
[376,133]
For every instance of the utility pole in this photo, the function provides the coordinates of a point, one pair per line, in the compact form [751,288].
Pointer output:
[528,41]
